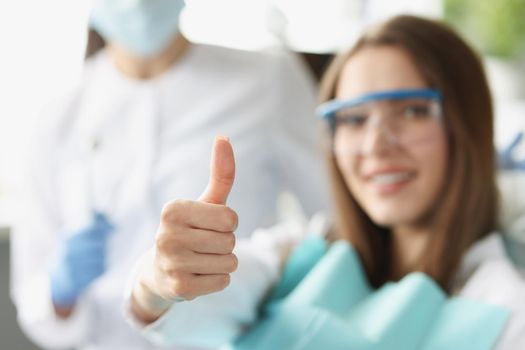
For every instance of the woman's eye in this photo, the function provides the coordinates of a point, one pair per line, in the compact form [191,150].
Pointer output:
[352,120]
[414,112]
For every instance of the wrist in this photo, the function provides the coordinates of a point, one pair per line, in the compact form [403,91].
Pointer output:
[146,305]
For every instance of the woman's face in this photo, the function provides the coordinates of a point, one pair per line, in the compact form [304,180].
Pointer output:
[396,183]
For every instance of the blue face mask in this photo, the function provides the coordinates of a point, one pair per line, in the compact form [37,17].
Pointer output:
[144,27]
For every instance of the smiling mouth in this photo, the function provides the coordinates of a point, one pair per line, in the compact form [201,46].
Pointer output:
[391,178]
[387,183]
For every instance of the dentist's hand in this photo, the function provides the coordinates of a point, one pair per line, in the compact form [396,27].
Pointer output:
[192,255]
[80,261]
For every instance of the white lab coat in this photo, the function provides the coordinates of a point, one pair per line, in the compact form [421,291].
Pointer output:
[154,142]
[486,275]
[512,209]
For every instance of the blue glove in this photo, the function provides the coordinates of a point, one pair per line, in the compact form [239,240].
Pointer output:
[505,158]
[81,259]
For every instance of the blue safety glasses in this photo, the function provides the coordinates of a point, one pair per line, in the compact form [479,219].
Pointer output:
[401,116]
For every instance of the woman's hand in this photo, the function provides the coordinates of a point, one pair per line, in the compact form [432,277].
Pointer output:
[192,255]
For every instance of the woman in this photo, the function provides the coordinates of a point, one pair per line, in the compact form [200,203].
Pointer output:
[412,165]
[135,133]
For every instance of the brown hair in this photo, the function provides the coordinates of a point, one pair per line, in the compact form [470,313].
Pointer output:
[94,44]
[467,209]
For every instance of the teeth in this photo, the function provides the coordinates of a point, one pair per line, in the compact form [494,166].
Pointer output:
[387,179]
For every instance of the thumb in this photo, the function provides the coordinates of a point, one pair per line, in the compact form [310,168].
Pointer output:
[222,172]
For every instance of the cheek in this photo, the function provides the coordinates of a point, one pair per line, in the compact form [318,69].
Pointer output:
[348,165]
[347,161]
[433,170]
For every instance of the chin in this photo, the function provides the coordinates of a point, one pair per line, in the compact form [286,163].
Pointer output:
[389,217]
[382,220]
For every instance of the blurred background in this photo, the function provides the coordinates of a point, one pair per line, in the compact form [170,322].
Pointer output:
[43,45]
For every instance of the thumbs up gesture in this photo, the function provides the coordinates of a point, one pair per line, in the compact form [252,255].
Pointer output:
[192,255]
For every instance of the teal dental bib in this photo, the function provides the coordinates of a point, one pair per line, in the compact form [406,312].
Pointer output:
[323,301]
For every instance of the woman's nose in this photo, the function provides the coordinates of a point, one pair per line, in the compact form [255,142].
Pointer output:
[378,138]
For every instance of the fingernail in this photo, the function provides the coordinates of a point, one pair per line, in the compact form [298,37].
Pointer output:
[222,138]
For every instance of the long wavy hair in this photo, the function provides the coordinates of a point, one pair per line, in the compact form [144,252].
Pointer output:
[466,211]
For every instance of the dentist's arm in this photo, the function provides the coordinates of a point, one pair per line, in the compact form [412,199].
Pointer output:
[192,255]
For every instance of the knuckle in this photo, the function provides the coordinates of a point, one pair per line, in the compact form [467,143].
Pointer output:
[176,275]
[181,287]
[177,265]
[162,265]
[172,212]
[167,211]
[223,282]
[170,246]
[232,264]
[230,242]
[230,219]
[162,243]
[177,242]
[171,264]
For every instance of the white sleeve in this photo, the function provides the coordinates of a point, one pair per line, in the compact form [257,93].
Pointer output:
[511,296]
[33,240]
[216,319]
[301,167]
[497,282]
[513,336]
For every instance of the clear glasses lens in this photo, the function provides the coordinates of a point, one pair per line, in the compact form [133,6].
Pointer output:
[403,122]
